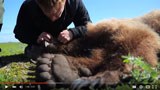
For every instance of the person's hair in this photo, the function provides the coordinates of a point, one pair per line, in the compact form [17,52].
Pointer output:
[50,3]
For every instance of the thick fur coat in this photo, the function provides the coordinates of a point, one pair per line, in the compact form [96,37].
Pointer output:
[100,51]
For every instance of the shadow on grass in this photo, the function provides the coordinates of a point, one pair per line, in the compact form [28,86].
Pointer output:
[5,60]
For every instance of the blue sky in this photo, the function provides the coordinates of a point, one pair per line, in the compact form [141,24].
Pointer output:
[98,10]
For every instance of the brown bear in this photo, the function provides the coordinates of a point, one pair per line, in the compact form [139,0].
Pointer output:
[152,19]
[96,58]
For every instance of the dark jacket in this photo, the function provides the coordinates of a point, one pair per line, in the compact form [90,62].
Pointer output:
[31,21]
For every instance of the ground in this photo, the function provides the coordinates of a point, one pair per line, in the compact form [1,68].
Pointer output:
[16,64]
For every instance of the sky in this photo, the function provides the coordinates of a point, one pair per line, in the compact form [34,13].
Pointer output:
[98,10]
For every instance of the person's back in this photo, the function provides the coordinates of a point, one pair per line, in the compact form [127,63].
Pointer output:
[39,20]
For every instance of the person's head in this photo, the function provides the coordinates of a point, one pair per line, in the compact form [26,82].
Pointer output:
[52,8]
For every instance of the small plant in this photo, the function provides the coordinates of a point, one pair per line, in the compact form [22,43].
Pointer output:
[142,72]
[14,66]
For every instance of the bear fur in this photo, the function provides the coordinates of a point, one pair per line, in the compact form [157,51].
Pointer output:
[96,58]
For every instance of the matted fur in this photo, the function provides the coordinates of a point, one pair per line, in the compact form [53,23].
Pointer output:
[133,37]
[152,19]
[108,40]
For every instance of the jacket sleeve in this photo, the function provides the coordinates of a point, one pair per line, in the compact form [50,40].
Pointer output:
[80,19]
[23,29]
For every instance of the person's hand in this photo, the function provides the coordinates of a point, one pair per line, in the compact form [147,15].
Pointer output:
[44,36]
[65,36]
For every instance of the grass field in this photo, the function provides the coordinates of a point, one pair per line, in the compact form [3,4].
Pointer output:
[14,66]
[11,48]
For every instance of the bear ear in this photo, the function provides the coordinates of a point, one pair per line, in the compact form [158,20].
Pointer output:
[90,26]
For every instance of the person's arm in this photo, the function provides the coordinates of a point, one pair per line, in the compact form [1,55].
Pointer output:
[24,30]
[81,18]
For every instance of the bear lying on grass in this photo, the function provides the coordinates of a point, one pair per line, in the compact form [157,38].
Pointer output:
[95,60]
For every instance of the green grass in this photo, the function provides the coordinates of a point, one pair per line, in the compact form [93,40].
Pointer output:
[14,66]
[11,48]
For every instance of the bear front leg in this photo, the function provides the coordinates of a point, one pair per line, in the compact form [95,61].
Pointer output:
[101,79]
[55,70]
[43,71]
[62,70]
